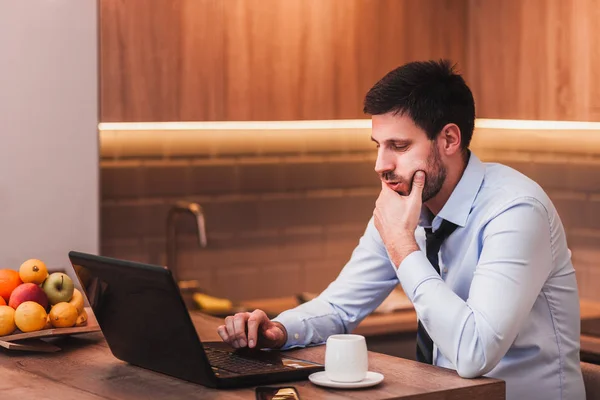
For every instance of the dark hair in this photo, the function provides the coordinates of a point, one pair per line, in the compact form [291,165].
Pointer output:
[431,93]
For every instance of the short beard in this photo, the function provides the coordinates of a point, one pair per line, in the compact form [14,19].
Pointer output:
[436,175]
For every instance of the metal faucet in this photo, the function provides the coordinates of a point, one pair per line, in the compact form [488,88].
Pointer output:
[182,207]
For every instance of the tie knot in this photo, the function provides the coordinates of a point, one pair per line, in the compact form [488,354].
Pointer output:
[446,228]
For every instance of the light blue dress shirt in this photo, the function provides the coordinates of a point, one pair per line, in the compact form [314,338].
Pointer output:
[506,304]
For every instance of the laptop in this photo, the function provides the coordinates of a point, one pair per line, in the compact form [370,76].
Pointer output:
[145,322]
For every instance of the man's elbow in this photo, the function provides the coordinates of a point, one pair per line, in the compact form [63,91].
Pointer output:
[469,371]
[475,368]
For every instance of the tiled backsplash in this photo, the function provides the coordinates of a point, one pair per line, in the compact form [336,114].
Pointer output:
[283,214]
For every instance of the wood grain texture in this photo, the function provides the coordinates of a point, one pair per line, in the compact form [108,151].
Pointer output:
[590,344]
[535,59]
[140,58]
[86,369]
[201,79]
[315,59]
[591,379]
[30,345]
[263,59]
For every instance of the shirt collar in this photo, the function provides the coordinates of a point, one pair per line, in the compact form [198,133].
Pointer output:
[460,202]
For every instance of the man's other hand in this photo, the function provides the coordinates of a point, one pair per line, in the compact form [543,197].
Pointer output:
[254,330]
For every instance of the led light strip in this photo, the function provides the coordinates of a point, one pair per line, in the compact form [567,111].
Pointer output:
[536,124]
[236,125]
[331,124]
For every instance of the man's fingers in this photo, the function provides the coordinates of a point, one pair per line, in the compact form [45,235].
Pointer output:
[222,331]
[418,185]
[270,334]
[239,323]
[273,332]
[256,318]
[231,332]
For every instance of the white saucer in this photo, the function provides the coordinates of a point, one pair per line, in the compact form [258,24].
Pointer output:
[372,379]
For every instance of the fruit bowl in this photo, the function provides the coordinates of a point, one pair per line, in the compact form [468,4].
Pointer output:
[36,303]
[17,340]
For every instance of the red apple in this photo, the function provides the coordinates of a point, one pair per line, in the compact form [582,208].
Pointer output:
[28,292]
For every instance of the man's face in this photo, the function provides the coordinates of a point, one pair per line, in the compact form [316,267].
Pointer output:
[403,149]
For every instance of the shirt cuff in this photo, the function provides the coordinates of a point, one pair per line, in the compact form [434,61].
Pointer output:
[413,271]
[294,326]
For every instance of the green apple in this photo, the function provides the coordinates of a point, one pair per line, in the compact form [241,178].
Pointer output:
[58,287]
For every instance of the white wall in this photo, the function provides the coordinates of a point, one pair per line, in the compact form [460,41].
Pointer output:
[48,130]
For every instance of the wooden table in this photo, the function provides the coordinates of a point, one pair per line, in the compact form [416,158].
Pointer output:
[86,369]
[590,310]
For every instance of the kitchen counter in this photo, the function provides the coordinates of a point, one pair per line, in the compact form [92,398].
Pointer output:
[590,331]
[85,369]
[405,321]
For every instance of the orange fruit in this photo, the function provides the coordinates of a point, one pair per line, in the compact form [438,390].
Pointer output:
[48,323]
[63,315]
[33,271]
[2,302]
[9,280]
[30,316]
[82,319]
[7,320]
[77,300]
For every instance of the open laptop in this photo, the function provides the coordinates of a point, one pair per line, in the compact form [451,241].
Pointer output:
[145,322]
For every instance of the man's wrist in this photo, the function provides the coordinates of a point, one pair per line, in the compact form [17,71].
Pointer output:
[403,247]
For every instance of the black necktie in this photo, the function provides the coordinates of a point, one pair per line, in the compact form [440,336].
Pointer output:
[433,243]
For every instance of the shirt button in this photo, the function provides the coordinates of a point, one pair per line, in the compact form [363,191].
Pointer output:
[445,270]
[296,336]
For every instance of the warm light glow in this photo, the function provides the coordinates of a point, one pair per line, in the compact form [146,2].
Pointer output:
[331,124]
[264,138]
[536,124]
[236,125]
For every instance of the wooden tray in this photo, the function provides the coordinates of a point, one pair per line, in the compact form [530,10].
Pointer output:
[25,341]
[37,345]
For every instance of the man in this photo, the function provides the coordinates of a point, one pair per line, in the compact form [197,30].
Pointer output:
[477,247]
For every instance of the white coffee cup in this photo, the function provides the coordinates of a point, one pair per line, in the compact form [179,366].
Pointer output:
[346,358]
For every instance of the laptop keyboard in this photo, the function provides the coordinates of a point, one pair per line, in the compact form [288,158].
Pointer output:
[241,365]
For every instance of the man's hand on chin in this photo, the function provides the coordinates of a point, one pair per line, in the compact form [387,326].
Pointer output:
[396,218]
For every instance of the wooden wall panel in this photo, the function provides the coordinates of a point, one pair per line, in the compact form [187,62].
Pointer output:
[263,59]
[202,78]
[535,59]
[140,59]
